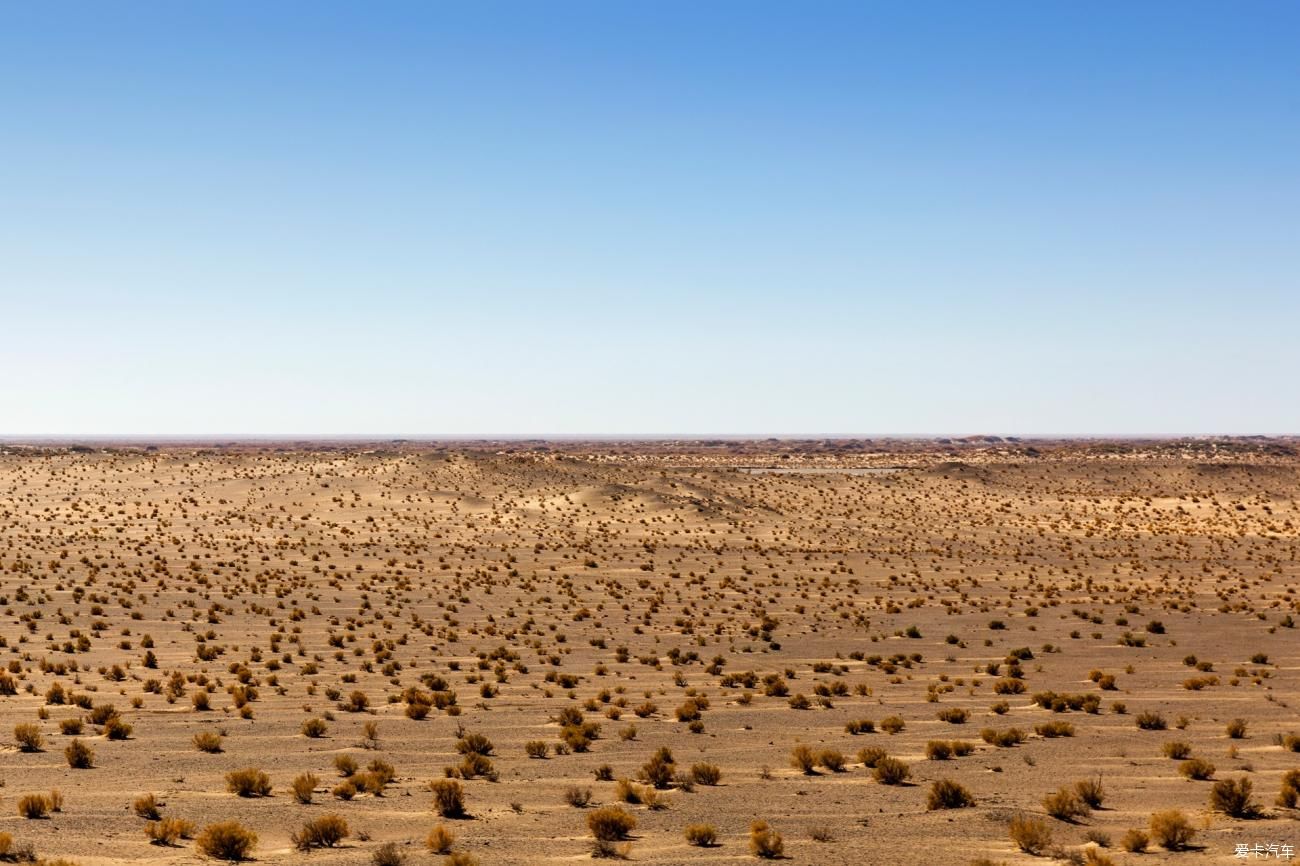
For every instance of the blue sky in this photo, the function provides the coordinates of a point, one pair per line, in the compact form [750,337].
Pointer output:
[630,217]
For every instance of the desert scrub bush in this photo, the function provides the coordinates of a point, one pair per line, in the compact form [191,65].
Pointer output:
[870,756]
[1031,835]
[304,786]
[1197,769]
[79,756]
[860,726]
[1008,686]
[248,782]
[706,774]
[168,831]
[1232,798]
[208,741]
[536,749]
[1065,805]
[314,728]
[610,824]
[448,798]
[458,859]
[1091,792]
[202,701]
[1134,841]
[71,727]
[892,725]
[1003,739]
[954,716]
[146,806]
[1290,793]
[226,840]
[947,794]
[659,770]
[701,835]
[1236,729]
[1149,721]
[577,797]
[117,729]
[938,750]
[1171,830]
[804,759]
[28,736]
[1177,750]
[323,832]
[439,840]
[764,842]
[832,760]
[34,805]
[891,771]
[1051,730]
[474,744]
[346,765]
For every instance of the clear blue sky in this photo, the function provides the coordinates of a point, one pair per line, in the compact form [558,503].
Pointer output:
[723,217]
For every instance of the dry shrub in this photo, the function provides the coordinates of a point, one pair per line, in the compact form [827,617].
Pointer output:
[1196,768]
[304,786]
[1031,835]
[1149,721]
[323,832]
[764,842]
[831,760]
[659,770]
[448,798]
[804,759]
[208,741]
[1065,805]
[871,756]
[461,859]
[610,824]
[891,771]
[577,797]
[439,840]
[536,749]
[1236,729]
[1290,793]
[892,725]
[1232,798]
[146,806]
[33,806]
[938,750]
[1135,841]
[1003,739]
[168,831]
[1091,792]
[947,794]
[29,737]
[226,840]
[314,728]
[701,835]
[249,782]
[79,756]
[706,774]
[345,764]
[1171,830]
[1053,729]
[1095,857]
[388,854]
[1177,750]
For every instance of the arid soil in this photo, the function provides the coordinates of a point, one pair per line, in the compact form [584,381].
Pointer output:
[1117,604]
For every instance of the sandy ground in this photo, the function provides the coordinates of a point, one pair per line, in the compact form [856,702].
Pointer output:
[625,579]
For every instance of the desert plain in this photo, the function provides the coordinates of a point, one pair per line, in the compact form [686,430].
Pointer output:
[977,651]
